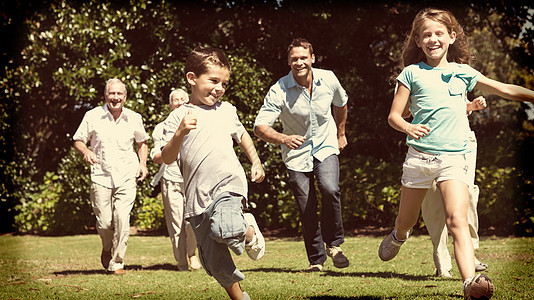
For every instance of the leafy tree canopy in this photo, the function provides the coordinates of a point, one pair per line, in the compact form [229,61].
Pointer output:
[60,54]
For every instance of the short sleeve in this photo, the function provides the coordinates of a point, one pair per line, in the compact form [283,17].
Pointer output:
[271,108]
[406,78]
[82,133]
[469,75]
[340,97]
[157,137]
[140,133]
[170,125]
[238,128]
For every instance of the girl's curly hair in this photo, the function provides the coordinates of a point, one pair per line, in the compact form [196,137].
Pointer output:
[458,52]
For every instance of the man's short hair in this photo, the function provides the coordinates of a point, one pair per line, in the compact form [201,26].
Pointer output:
[202,58]
[300,42]
[114,80]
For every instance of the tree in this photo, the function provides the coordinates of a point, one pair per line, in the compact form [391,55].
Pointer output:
[70,49]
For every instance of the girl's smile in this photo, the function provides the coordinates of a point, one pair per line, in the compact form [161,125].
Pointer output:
[434,40]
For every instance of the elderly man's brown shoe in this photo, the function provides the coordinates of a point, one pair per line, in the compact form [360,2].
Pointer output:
[119,272]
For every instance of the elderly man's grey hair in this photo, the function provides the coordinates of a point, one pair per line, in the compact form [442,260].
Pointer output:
[178,92]
[114,80]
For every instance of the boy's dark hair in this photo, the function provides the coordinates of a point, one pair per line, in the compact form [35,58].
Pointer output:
[300,42]
[202,58]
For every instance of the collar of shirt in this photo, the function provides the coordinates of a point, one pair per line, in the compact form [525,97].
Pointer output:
[292,82]
[116,161]
[107,113]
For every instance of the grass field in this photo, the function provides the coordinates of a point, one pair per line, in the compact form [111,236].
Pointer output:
[69,267]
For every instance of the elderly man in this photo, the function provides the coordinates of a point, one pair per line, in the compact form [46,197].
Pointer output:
[111,130]
[180,231]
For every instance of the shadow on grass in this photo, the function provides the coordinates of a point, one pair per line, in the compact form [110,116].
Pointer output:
[81,272]
[164,267]
[158,267]
[325,297]
[379,275]
[338,297]
[347,274]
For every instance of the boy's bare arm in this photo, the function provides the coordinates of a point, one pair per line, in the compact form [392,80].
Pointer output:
[257,174]
[158,159]
[169,153]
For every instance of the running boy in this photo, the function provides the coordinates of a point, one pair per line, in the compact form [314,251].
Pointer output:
[199,135]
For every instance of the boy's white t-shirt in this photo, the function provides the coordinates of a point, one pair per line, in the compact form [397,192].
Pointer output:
[207,159]
[437,99]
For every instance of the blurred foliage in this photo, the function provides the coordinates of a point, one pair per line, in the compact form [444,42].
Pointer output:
[149,214]
[37,210]
[60,54]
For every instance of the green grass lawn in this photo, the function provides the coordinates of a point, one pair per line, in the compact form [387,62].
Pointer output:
[69,267]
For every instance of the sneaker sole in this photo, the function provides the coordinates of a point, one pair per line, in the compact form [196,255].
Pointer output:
[341,266]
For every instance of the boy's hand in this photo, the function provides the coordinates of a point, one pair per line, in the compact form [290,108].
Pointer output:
[189,122]
[417,131]
[256,173]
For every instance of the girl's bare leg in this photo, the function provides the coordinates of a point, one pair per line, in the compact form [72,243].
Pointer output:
[455,202]
[410,205]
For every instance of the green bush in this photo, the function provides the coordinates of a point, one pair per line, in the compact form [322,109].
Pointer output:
[67,51]
[505,200]
[370,191]
[74,213]
[61,204]
[37,211]
[148,214]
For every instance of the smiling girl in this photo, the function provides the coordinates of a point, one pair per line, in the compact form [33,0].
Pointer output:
[434,84]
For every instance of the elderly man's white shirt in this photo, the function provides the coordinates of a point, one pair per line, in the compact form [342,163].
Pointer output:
[112,142]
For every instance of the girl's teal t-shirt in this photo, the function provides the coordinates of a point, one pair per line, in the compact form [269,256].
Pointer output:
[438,99]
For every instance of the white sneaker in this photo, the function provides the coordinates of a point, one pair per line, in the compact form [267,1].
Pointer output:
[389,248]
[478,287]
[314,268]
[480,266]
[256,248]
[194,262]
